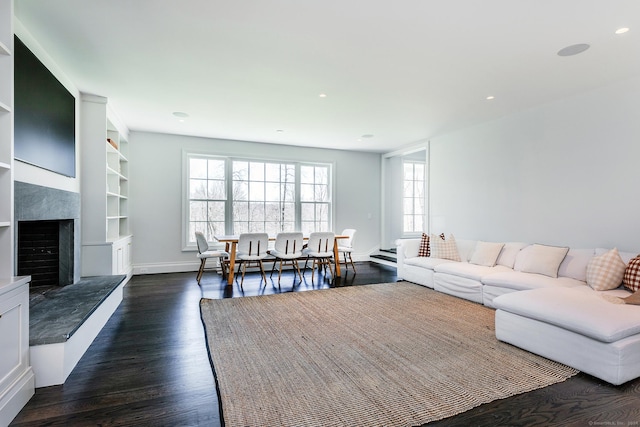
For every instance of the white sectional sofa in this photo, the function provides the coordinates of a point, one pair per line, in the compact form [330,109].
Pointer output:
[561,318]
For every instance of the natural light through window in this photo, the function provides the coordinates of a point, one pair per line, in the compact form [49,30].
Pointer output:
[233,196]
[413,197]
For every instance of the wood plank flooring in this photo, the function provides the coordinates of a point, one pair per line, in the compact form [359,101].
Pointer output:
[149,366]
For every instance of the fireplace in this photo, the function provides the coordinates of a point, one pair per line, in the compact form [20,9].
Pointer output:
[45,252]
[47,238]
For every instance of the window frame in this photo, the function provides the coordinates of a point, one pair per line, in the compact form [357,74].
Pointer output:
[413,232]
[188,242]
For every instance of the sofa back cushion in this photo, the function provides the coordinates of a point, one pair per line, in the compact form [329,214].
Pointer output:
[509,253]
[466,248]
[575,264]
[486,253]
[541,259]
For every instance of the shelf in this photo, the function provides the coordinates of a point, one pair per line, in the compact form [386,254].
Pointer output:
[112,149]
[120,196]
[4,108]
[5,224]
[4,165]
[110,218]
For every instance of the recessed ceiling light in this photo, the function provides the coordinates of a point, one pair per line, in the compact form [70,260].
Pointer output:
[279,130]
[323,95]
[574,49]
[180,114]
[490,97]
[367,135]
[622,30]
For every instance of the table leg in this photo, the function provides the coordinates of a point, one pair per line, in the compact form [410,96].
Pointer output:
[336,257]
[232,263]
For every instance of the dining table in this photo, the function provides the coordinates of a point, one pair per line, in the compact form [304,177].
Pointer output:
[231,244]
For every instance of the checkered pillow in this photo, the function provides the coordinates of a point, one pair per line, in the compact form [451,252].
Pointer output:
[604,272]
[631,278]
[444,249]
[424,250]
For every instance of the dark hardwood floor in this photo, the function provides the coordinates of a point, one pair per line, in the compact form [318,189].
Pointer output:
[149,366]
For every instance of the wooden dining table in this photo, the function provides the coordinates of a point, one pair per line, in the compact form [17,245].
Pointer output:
[231,243]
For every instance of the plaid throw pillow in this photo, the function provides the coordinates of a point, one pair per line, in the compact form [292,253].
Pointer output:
[631,278]
[604,272]
[424,250]
[444,249]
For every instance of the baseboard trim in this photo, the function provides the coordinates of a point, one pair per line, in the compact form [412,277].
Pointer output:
[14,399]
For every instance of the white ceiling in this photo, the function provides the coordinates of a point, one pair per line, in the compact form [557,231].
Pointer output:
[402,71]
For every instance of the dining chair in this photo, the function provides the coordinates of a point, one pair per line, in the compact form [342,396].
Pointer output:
[287,249]
[252,249]
[205,253]
[320,249]
[345,247]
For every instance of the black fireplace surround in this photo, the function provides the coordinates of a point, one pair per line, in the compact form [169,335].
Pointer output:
[51,220]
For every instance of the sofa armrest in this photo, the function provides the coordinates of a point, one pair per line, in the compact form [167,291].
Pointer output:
[406,248]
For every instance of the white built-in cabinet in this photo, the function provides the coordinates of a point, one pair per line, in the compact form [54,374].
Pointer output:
[106,234]
[17,382]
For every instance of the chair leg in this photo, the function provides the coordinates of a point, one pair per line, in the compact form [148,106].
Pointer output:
[264,277]
[201,270]
[352,264]
[297,266]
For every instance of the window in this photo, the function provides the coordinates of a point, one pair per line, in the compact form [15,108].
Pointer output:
[263,197]
[413,196]
[233,196]
[207,197]
[315,198]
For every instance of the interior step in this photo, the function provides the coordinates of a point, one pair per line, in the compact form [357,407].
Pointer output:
[385,256]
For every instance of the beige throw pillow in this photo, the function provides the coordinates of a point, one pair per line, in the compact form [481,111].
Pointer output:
[444,249]
[486,253]
[544,259]
[605,272]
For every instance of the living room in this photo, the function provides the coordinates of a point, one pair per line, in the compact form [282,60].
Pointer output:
[557,170]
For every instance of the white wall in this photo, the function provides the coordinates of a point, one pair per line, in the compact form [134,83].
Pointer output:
[565,173]
[156,193]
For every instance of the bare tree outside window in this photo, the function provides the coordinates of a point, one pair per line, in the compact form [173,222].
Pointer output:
[264,196]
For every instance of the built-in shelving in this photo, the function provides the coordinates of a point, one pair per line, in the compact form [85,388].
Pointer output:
[106,235]
[17,382]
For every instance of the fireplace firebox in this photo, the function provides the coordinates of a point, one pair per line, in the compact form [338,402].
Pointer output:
[45,252]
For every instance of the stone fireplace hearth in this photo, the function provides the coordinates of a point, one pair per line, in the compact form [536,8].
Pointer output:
[51,209]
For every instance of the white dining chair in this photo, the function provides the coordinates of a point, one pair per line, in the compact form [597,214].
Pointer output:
[252,249]
[345,247]
[204,253]
[287,249]
[320,250]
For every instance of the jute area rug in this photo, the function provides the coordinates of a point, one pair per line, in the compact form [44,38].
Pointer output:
[394,354]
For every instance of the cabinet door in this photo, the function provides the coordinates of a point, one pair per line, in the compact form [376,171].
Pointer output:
[12,336]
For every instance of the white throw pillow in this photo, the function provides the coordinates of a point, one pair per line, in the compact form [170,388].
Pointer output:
[605,272]
[444,249]
[486,253]
[509,253]
[544,260]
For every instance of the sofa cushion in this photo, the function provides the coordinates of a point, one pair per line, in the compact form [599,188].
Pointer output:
[575,264]
[468,270]
[584,313]
[486,253]
[424,249]
[605,271]
[509,252]
[519,281]
[631,278]
[541,259]
[444,248]
[426,262]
